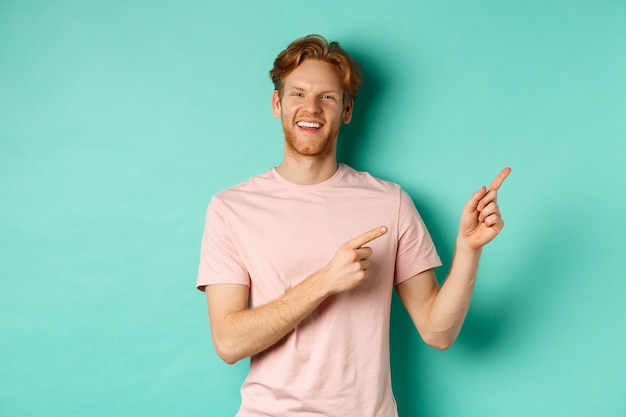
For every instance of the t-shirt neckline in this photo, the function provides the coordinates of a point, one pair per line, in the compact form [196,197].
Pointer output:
[340,169]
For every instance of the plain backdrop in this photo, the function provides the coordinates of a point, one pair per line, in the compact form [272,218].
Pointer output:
[120,119]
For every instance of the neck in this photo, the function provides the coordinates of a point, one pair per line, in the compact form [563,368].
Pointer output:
[307,171]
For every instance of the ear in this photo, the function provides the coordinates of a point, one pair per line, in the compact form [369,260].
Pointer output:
[347,112]
[276,108]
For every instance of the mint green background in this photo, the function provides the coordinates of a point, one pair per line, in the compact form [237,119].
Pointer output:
[119,120]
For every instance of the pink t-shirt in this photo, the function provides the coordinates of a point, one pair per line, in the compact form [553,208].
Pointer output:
[270,234]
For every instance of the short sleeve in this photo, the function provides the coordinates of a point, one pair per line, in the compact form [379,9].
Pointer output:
[220,262]
[416,251]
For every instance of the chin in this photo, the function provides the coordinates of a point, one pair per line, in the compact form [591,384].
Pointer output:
[320,149]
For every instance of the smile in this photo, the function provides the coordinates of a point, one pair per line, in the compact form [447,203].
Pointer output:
[311,125]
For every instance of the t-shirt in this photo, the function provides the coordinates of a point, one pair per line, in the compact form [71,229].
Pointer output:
[270,234]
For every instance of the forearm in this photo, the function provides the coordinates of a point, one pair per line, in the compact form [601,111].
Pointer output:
[239,332]
[440,312]
[450,305]
[244,332]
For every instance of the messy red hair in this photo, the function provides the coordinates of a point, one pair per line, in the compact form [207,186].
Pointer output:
[317,47]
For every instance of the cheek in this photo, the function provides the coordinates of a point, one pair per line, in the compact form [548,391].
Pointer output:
[287,108]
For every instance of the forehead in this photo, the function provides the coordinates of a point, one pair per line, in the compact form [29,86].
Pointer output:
[314,74]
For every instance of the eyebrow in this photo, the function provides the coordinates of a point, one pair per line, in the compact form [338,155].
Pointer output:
[296,88]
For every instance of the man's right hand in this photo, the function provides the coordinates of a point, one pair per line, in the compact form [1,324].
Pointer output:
[239,331]
[349,267]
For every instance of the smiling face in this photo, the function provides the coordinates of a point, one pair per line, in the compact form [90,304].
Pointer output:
[312,110]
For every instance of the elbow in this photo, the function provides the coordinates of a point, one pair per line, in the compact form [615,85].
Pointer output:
[440,345]
[228,350]
[228,355]
[230,360]
[439,341]
[439,337]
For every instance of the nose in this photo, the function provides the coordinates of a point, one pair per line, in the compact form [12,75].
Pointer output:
[312,104]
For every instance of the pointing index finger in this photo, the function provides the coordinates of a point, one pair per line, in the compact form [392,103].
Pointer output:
[497,182]
[367,237]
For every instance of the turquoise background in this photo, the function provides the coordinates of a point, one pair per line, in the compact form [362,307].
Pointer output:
[120,119]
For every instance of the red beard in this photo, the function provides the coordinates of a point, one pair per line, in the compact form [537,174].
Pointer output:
[322,148]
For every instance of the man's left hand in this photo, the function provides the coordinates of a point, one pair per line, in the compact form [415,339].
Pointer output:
[481,220]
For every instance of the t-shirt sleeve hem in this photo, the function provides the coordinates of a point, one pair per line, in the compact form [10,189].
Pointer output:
[216,280]
[424,266]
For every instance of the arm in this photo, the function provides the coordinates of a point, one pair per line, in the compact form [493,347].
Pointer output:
[239,331]
[439,312]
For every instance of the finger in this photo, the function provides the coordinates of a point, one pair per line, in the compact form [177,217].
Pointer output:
[472,203]
[363,252]
[491,197]
[497,182]
[367,237]
[495,221]
[489,210]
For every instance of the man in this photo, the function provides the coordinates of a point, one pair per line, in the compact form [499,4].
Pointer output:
[298,264]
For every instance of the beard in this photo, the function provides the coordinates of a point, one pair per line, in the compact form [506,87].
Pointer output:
[319,149]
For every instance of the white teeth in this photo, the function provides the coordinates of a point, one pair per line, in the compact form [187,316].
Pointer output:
[309,124]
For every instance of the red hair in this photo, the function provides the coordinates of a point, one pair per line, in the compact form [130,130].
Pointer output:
[317,47]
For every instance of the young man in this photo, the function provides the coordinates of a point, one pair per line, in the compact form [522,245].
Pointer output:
[299,263]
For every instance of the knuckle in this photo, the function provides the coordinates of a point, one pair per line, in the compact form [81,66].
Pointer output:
[353,256]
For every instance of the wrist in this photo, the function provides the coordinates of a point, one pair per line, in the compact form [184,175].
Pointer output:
[464,248]
[317,285]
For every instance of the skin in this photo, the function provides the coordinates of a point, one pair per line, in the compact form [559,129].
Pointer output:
[312,93]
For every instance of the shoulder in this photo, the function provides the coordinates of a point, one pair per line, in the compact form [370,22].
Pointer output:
[257,184]
[365,180]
